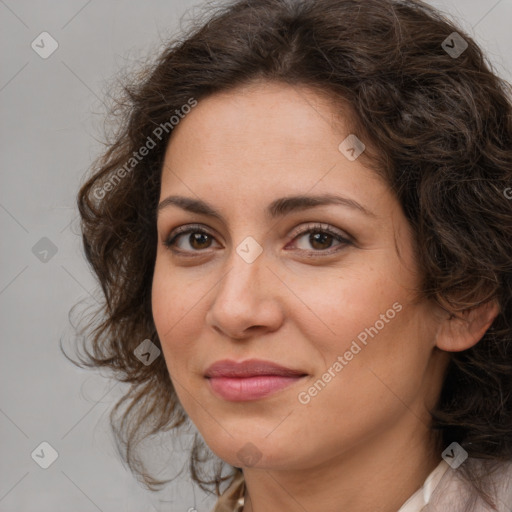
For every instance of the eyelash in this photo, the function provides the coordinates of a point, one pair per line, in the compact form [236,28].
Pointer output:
[316,228]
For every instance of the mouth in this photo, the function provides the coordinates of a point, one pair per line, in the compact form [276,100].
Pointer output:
[250,380]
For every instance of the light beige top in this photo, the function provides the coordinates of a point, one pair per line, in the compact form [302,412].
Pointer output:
[444,490]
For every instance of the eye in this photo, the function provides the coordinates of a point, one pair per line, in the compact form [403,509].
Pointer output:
[198,238]
[320,238]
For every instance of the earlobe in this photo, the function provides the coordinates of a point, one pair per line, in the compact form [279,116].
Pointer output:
[463,330]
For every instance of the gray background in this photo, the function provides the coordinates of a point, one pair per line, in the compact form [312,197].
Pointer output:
[51,121]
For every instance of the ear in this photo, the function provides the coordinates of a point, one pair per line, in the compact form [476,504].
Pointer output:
[457,333]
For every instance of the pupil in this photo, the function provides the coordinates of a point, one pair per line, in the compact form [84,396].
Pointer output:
[322,239]
[197,238]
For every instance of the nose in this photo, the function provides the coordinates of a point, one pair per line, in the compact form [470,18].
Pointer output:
[246,300]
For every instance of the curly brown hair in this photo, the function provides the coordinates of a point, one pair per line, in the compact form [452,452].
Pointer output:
[438,129]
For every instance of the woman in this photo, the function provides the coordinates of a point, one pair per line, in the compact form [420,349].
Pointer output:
[304,239]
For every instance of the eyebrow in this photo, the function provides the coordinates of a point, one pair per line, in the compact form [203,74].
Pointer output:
[277,208]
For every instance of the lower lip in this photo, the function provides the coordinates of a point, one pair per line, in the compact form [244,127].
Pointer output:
[250,388]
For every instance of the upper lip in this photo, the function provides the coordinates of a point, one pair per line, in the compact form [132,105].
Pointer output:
[250,368]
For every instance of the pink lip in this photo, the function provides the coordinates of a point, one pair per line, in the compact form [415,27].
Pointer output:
[249,380]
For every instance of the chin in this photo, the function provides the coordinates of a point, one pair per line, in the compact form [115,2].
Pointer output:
[260,451]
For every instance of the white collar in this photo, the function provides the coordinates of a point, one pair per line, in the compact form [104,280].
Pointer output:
[422,496]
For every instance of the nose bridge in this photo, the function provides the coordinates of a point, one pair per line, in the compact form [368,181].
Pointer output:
[246,264]
[242,298]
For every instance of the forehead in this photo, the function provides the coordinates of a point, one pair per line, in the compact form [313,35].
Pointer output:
[266,134]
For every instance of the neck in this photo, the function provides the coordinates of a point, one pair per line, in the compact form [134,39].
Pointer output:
[379,475]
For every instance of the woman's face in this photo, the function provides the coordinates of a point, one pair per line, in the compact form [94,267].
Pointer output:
[252,283]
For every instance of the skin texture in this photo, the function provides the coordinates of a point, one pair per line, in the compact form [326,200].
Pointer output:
[363,442]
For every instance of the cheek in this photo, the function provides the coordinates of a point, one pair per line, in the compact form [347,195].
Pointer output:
[163,302]
[342,307]
[173,306]
[371,385]
[368,322]
[382,365]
